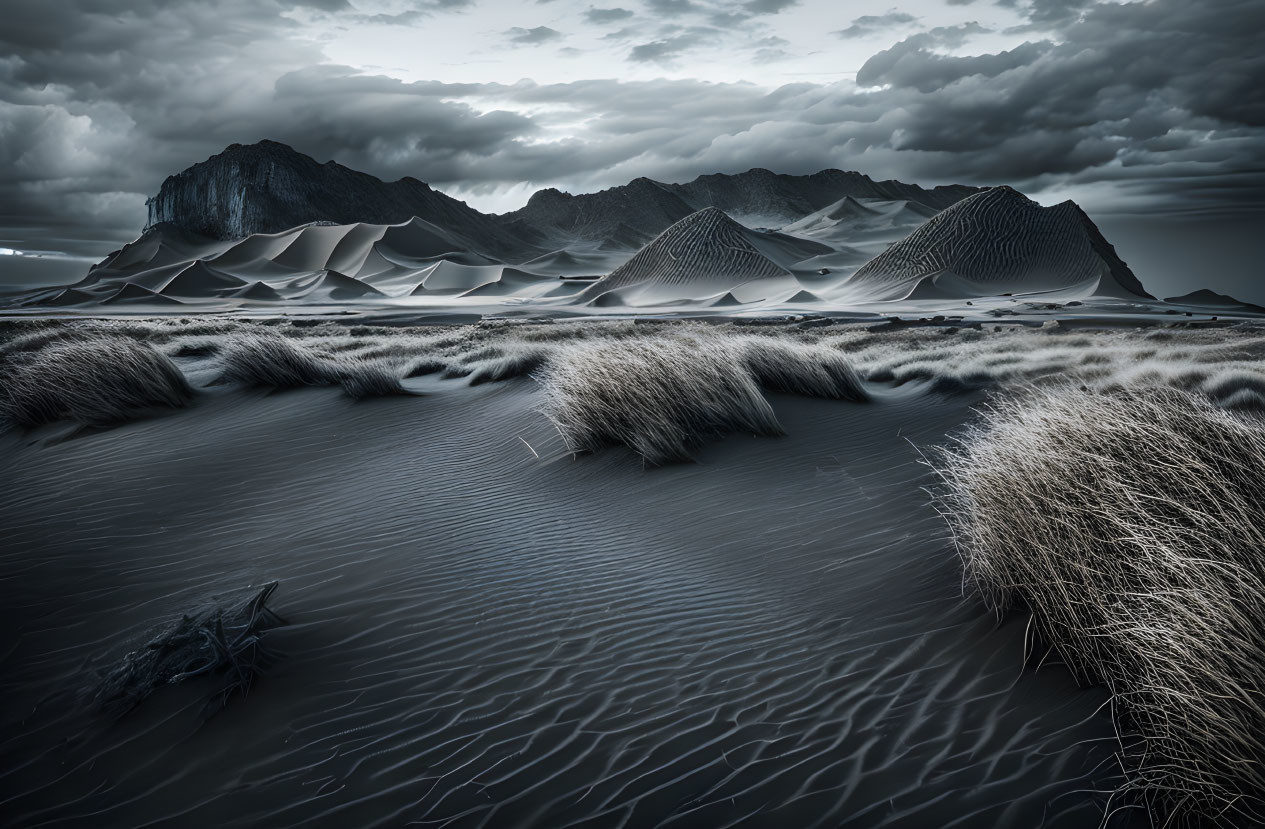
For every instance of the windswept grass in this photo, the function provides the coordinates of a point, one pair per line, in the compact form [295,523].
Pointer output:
[782,364]
[661,397]
[95,380]
[273,361]
[1131,523]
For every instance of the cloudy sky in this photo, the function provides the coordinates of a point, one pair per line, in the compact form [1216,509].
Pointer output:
[1150,114]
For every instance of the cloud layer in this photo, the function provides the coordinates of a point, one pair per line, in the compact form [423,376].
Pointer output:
[1135,107]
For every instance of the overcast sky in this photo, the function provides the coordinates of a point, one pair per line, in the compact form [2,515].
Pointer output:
[1151,115]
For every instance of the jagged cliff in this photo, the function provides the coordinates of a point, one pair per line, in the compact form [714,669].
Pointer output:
[269,187]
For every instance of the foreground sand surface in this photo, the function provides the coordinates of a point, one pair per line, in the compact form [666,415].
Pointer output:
[487,630]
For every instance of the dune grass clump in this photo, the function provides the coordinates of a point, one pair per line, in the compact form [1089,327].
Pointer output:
[1130,523]
[94,380]
[783,364]
[660,396]
[518,362]
[422,366]
[273,361]
[367,380]
[1236,389]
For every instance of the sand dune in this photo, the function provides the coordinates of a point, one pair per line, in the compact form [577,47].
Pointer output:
[258,292]
[332,285]
[199,280]
[992,243]
[134,294]
[998,242]
[705,251]
[320,264]
[450,277]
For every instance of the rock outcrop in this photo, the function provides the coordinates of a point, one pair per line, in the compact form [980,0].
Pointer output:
[269,187]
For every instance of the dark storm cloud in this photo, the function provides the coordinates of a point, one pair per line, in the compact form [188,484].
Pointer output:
[768,6]
[660,50]
[409,17]
[1043,14]
[910,63]
[533,36]
[678,41]
[868,24]
[1152,106]
[601,16]
[671,8]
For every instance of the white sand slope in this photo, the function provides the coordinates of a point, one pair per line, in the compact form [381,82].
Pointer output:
[999,242]
[702,254]
[453,278]
[312,264]
[199,280]
[133,294]
[850,220]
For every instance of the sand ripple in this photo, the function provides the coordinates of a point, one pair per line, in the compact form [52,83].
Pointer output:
[772,637]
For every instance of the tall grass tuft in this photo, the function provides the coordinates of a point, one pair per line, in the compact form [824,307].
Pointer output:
[1130,523]
[662,397]
[95,380]
[783,364]
[272,361]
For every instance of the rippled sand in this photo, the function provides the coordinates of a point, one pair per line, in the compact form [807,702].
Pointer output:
[774,636]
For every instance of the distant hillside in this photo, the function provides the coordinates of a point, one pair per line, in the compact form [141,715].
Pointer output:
[269,187]
[1204,298]
[756,198]
[760,197]
[627,216]
[999,242]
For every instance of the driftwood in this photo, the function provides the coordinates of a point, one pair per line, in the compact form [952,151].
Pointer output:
[216,642]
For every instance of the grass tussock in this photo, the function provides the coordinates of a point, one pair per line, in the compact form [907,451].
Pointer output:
[782,364]
[661,397]
[273,361]
[1130,523]
[94,380]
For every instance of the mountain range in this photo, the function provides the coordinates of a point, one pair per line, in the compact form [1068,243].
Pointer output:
[269,187]
[264,223]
